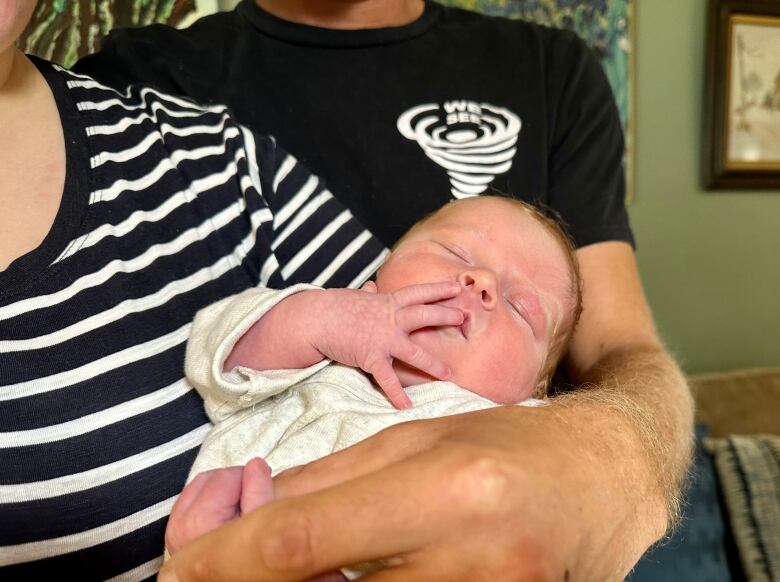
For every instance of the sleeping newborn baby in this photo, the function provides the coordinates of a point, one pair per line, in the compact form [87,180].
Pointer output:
[473,308]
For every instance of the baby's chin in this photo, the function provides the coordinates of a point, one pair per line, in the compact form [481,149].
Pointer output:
[410,376]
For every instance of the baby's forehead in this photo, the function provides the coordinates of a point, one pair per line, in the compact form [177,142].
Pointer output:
[509,224]
[480,204]
[488,217]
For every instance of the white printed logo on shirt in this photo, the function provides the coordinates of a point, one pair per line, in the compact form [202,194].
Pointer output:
[474,142]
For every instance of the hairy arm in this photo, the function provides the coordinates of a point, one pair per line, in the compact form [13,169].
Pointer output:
[626,373]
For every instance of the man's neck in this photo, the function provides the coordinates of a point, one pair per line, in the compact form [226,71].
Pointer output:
[346,14]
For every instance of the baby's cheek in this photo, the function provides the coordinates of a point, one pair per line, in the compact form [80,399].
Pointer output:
[507,381]
[479,382]
[428,338]
[496,392]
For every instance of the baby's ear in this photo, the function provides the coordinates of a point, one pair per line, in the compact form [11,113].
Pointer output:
[369,286]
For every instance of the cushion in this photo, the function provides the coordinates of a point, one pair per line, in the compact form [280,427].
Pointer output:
[749,471]
[739,402]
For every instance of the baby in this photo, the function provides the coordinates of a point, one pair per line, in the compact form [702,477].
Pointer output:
[473,307]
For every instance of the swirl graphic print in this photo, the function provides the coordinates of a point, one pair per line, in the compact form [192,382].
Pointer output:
[474,142]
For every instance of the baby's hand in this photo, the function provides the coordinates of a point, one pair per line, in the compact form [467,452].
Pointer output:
[366,329]
[213,498]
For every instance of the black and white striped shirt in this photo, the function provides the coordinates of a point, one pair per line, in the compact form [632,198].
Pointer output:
[167,207]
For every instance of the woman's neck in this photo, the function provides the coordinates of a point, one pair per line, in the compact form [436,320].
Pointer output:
[18,85]
[346,14]
[32,157]
[9,59]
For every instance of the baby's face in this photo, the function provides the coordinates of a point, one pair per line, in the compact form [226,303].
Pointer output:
[516,293]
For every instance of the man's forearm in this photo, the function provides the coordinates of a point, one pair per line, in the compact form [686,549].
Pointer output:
[644,397]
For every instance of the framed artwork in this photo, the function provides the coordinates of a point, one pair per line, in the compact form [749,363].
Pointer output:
[607,26]
[742,95]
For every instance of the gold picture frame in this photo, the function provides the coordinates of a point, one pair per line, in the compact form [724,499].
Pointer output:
[742,95]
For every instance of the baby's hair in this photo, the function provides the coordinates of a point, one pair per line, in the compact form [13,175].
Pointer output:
[561,339]
[552,222]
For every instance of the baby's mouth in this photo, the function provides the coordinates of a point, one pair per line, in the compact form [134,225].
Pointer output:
[465,327]
[460,331]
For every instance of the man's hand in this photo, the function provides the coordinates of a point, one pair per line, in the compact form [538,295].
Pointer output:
[450,499]
[368,330]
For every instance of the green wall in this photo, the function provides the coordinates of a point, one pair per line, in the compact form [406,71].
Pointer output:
[710,261]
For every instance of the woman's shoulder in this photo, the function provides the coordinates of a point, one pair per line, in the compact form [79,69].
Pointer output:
[133,119]
[165,57]
[92,95]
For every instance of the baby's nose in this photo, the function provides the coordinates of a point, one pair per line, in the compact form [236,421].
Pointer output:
[483,283]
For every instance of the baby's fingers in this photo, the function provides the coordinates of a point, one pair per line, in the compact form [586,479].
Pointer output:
[415,317]
[426,293]
[388,381]
[409,352]
[257,489]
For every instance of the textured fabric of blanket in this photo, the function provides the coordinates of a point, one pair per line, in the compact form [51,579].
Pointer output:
[749,472]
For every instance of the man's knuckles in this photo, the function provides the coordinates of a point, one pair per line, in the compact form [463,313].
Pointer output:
[286,545]
[476,483]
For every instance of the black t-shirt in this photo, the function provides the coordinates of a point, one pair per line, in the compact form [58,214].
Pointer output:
[400,120]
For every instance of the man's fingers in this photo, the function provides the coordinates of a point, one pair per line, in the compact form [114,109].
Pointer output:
[388,381]
[409,352]
[300,537]
[257,488]
[402,574]
[436,565]
[329,577]
[426,293]
[396,523]
[419,316]
[385,448]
